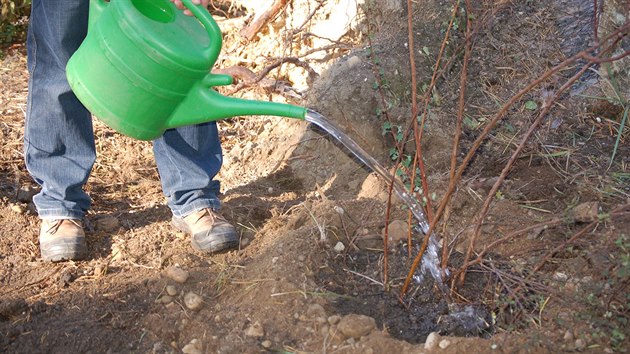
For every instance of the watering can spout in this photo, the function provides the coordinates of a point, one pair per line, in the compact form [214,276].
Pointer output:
[204,104]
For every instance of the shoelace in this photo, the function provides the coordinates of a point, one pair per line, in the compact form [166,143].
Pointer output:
[56,224]
[213,216]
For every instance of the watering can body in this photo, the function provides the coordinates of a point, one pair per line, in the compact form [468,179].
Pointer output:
[144,67]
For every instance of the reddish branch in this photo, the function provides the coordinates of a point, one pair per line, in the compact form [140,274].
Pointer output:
[620,211]
[418,129]
[460,116]
[617,212]
[615,36]
[508,166]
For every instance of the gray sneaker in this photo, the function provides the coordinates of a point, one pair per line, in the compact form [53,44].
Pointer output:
[62,240]
[209,230]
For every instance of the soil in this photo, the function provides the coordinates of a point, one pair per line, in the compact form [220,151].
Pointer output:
[309,274]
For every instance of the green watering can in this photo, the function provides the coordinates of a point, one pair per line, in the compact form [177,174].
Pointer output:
[144,67]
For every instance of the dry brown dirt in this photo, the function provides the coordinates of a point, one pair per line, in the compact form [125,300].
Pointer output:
[295,195]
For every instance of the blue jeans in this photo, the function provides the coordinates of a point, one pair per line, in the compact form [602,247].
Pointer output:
[59,139]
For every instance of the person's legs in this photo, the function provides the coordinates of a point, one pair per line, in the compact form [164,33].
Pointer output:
[188,159]
[58,139]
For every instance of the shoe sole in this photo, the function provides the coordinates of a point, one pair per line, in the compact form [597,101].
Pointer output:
[64,251]
[218,243]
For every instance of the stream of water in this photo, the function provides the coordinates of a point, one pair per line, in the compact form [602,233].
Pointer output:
[430,260]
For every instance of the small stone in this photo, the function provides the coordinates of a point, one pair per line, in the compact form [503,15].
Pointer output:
[564,316]
[580,344]
[397,231]
[107,224]
[324,330]
[353,61]
[561,277]
[255,330]
[334,319]
[171,290]
[166,299]
[117,252]
[301,258]
[177,274]
[194,347]
[587,279]
[568,335]
[193,301]
[444,343]
[270,190]
[339,247]
[18,208]
[432,341]
[315,311]
[356,326]
[266,344]
[586,212]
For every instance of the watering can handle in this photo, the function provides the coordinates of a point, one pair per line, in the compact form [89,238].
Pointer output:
[214,32]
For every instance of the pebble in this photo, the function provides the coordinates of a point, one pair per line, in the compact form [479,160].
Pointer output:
[586,212]
[194,347]
[339,247]
[568,335]
[171,290]
[301,258]
[266,344]
[356,326]
[397,230]
[17,208]
[564,316]
[559,276]
[255,330]
[444,343]
[580,344]
[107,224]
[432,341]
[166,299]
[193,301]
[177,274]
[316,311]
[323,330]
[117,252]
[353,61]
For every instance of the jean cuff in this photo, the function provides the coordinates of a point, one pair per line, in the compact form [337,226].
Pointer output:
[196,206]
[56,214]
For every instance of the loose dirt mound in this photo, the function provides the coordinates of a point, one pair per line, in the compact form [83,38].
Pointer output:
[309,274]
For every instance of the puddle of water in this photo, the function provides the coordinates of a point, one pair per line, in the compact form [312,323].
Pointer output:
[430,260]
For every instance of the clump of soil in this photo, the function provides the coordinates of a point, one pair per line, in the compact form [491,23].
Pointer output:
[310,274]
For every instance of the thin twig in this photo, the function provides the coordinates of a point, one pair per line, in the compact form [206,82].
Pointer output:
[547,105]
